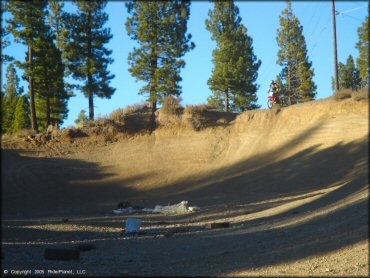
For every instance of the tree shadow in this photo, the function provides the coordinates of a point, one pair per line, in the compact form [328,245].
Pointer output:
[252,185]
[46,187]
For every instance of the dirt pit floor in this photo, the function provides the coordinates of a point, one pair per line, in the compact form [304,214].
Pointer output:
[293,185]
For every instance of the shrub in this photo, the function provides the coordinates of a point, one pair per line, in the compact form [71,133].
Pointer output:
[342,94]
[24,133]
[119,114]
[167,119]
[362,94]
[195,116]
[171,105]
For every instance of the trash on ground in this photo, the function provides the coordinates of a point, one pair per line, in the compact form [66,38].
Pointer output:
[191,209]
[128,210]
[180,208]
[133,225]
[147,210]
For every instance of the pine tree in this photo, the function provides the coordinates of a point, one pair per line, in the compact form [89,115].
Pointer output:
[87,56]
[48,72]
[292,56]
[57,20]
[4,36]
[363,47]
[27,22]
[348,74]
[22,115]
[11,95]
[235,72]
[82,118]
[160,28]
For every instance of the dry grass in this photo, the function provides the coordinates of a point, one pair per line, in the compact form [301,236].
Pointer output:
[119,114]
[171,105]
[342,94]
[171,112]
[362,94]
[194,115]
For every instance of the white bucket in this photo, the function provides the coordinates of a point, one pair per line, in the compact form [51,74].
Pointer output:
[133,225]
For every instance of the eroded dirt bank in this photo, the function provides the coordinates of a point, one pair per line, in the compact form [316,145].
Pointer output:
[293,184]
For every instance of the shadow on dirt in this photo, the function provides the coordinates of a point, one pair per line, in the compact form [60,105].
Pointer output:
[44,187]
[84,187]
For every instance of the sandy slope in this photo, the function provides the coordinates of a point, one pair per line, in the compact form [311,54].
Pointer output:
[293,183]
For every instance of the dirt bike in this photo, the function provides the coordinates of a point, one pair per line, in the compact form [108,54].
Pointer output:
[274,99]
[282,102]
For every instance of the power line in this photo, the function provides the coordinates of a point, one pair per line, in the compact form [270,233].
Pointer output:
[318,37]
[350,16]
[348,11]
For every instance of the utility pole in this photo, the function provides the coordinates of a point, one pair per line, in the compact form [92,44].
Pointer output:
[335,50]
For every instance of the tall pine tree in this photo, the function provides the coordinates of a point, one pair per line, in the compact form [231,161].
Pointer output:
[160,28]
[363,47]
[297,72]
[48,72]
[88,58]
[11,95]
[235,72]
[26,24]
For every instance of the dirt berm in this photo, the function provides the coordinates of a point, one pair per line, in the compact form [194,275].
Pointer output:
[293,183]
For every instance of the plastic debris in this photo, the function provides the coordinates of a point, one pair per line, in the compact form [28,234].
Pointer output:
[133,225]
[180,208]
[192,209]
[128,210]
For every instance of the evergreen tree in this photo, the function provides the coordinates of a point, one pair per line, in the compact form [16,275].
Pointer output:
[363,47]
[51,96]
[82,118]
[348,74]
[11,95]
[87,56]
[22,114]
[235,72]
[57,20]
[26,24]
[160,28]
[4,36]
[297,73]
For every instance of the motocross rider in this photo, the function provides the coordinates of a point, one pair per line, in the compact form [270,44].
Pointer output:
[273,88]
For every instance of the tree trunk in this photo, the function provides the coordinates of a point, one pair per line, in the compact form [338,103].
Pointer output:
[289,86]
[47,112]
[89,75]
[91,101]
[153,81]
[227,105]
[31,94]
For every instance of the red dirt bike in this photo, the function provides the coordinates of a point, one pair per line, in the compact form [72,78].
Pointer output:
[274,99]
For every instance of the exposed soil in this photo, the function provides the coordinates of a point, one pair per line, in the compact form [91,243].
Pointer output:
[292,183]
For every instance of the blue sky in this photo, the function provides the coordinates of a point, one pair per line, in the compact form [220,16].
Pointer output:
[262,22]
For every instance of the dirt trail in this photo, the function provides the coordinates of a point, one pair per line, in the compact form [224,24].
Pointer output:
[293,183]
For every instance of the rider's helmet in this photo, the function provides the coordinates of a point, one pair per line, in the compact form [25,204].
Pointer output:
[272,82]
